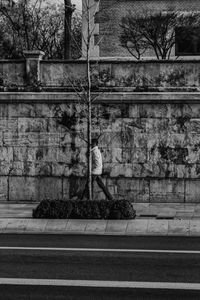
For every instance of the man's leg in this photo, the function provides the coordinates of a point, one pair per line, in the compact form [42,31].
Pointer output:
[103,187]
[85,191]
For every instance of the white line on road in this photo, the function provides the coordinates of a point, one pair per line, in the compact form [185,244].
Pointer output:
[102,284]
[102,250]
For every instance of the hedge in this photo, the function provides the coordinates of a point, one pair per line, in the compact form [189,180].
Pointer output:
[84,209]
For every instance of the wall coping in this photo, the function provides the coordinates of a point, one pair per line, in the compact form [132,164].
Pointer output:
[107,97]
[123,60]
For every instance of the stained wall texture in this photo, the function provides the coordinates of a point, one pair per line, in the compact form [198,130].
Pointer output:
[151,152]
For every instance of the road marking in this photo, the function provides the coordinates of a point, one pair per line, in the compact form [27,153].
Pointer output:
[100,283]
[102,250]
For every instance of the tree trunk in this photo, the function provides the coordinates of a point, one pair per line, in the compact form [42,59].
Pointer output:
[68,20]
[89,105]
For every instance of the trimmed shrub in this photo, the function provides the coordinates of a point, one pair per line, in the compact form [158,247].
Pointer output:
[78,209]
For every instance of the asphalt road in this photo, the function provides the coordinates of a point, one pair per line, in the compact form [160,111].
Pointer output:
[99,267]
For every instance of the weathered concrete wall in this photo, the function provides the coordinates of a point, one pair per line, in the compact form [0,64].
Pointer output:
[150,146]
[160,75]
[12,74]
[35,75]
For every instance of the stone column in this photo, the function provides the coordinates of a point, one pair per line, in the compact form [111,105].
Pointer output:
[33,59]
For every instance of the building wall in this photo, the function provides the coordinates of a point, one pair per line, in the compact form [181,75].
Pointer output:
[111,12]
[151,150]
[148,112]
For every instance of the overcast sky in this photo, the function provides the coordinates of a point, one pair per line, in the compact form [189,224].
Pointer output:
[77,2]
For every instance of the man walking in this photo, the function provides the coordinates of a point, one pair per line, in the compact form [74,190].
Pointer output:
[97,167]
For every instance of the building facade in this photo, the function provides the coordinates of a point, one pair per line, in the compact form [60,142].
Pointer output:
[108,14]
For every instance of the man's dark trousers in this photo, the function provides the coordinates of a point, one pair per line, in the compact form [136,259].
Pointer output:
[100,184]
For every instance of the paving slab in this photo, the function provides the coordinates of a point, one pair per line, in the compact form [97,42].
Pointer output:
[76,225]
[19,224]
[36,225]
[56,225]
[157,227]
[179,227]
[3,224]
[195,228]
[114,226]
[137,227]
[96,226]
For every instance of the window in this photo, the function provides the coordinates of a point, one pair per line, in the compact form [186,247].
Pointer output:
[187,40]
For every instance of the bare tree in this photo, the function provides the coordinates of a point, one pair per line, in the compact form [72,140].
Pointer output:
[36,25]
[86,91]
[149,31]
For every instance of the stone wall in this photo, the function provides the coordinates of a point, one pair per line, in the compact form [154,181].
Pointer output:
[12,74]
[150,146]
[148,112]
[123,74]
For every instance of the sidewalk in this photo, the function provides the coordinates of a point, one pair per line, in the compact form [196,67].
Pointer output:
[152,219]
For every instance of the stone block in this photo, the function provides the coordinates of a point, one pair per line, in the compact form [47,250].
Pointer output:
[166,190]
[117,125]
[76,186]
[192,190]
[32,125]
[4,110]
[135,190]
[194,227]
[175,110]
[36,225]
[107,155]
[114,111]
[8,124]
[192,110]
[66,188]
[59,169]
[96,226]
[134,111]
[141,140]
[118,226]
[56,225]
[20,153]
[23,189]
[21,110]
[42,169]
[153,125]
[43,110]
[154,110]
[157,227]
[193,140]
[137,227]
[6,154]
[17,168]
[125,170]
[3,188]
[179,227]
[76,225]
[177,140]
[193,125]
[50,188]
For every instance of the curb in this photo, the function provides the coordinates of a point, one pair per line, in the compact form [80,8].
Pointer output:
[136,227]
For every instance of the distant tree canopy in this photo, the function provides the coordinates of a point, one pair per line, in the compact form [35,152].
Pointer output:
[36,25]
[155,32]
